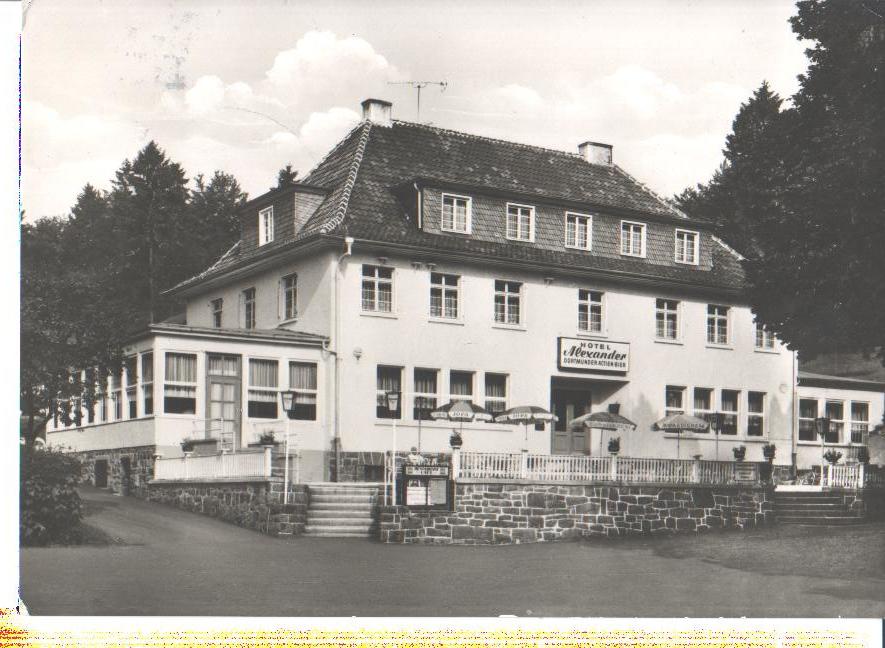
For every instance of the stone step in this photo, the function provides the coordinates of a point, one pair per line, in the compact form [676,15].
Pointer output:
[340,513]
[340,498]
[827,520]
[808,500]
[353,529]
[338,534]
[339,522]
[332,506]
[793,506]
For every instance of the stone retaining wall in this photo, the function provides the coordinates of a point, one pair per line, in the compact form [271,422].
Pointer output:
[252,504]
[494,513]
[141,468]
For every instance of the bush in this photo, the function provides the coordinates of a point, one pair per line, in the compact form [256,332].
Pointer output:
[49,506]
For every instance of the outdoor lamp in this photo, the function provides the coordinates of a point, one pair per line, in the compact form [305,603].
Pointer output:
[822,425]
[393,401]
[288,400]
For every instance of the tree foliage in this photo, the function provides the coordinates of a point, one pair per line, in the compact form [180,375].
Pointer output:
[801,193]
[92,279]
[286,176]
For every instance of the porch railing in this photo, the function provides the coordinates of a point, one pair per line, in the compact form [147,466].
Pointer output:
[219,466]
[562,468]
[853,475]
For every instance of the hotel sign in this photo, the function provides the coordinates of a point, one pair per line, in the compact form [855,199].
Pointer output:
[576,354]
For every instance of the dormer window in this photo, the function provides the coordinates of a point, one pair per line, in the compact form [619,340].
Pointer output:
[265,225]
[633,239]
[686,247]
[578,231]
[456,214]
[520,222]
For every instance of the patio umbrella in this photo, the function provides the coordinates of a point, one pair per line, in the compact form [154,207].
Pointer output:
[526,414]
[680,422]
[604,421]
[461,410]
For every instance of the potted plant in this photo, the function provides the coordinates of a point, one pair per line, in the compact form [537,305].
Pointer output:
[832,457]
[863,455]
[768,451]
[767,469]
[266,439]
[739,452]
[455,440]
[614,445]
[187,447]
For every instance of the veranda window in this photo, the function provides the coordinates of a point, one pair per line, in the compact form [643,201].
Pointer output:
[755,413]
[703,406]
[263,388]
[807,414]
[389,379]
[180,384]
[835,411]
[425,393]
[729,415]
[860,421]
[589,311]
[117,394]
[303,381]
[147,383]
[131,365]
[496,393]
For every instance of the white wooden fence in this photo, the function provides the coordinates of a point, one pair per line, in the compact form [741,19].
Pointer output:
[854,475]
[562,468]
[219,466]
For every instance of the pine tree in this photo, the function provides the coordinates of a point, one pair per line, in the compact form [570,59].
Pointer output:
[286,176]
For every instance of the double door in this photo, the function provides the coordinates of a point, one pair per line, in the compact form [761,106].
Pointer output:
[567,405]
[224,398]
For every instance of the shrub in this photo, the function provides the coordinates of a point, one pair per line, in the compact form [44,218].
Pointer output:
[614,445]
[739,453]
[49,506]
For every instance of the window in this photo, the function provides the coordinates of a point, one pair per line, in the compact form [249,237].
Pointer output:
[807,414]
[674,400]
[90,394]
[507,296]
[764,337]
[180,384]
[263,385]
[835,411]
[686,247]
[496,393]
[303,381]
[425,393]
[728,423]
[389,380]
[265,226]
[377,289]
[117,395]
[289,288]
[717,324]
[249,308]
[456,214]
[703,405]
[632,239]
[461,385]
[860,421]
[520,222]
[578,231]
[666,319]
[147,383]
[217,306]
[131,365]
[103,398]
[589,311]
[755,413]
[444,290]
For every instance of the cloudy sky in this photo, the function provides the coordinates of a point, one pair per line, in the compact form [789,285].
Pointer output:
[247,87]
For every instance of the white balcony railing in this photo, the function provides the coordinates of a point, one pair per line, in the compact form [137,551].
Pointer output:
[562,468]
[218,466]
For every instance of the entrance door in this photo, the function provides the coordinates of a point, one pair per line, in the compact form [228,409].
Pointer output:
[223,408]
[101,473]
[568,405]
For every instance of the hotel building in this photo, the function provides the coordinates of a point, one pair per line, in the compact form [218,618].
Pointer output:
[445,265]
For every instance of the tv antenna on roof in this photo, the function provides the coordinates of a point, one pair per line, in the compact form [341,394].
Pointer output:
[418,85]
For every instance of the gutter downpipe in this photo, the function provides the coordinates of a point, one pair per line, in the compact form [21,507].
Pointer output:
[794,410]
[348,251]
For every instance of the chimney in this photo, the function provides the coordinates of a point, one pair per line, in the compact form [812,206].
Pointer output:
[377,111]
[596,153]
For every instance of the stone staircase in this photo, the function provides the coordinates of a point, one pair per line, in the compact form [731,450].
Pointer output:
[821,508]
[341,510]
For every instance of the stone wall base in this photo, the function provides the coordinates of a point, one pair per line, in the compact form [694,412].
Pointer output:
[517,513]
[252,504]
[141,468]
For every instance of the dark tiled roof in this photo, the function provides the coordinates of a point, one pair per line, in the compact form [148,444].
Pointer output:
[363,172]
[824,380]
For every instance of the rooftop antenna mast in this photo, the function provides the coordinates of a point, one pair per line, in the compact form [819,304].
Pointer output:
[418,85]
